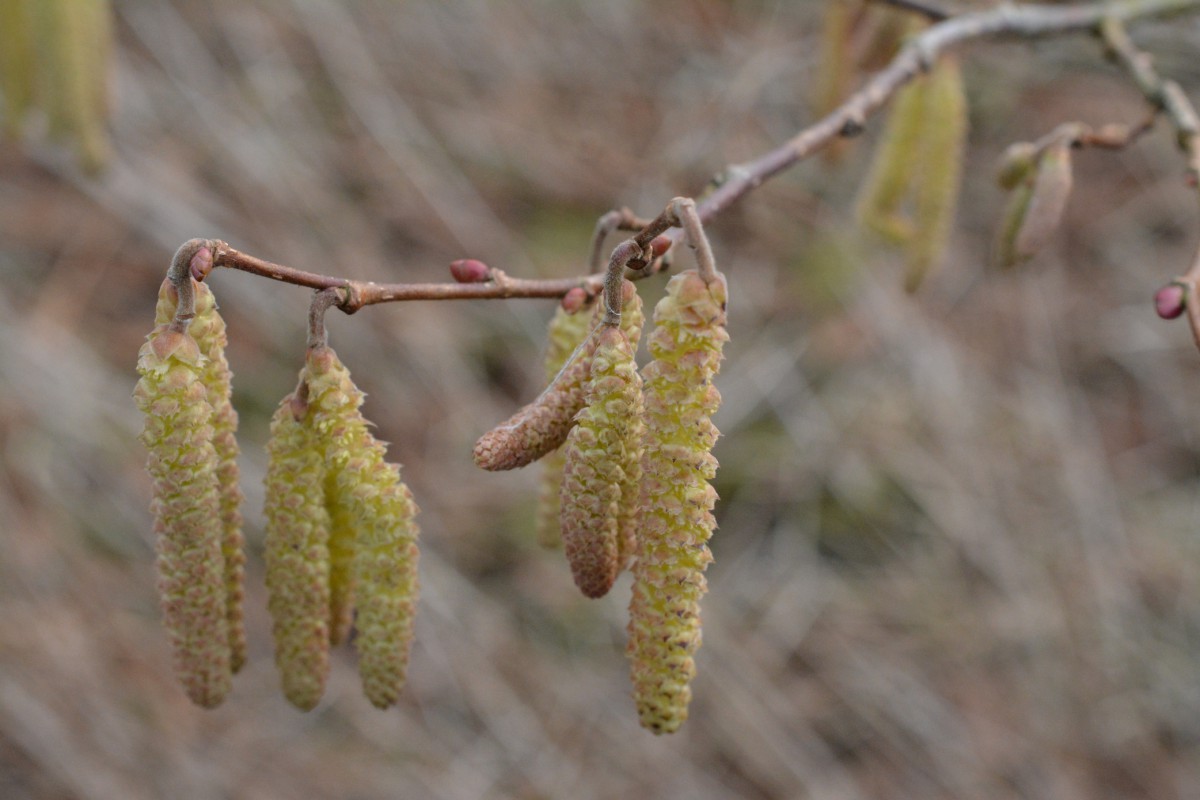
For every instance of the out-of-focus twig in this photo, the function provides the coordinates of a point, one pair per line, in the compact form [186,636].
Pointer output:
[927,10]
[1165,95]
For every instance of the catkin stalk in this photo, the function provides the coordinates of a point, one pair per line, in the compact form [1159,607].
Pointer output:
[677,500]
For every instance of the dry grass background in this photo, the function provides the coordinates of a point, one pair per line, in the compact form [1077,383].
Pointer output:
[957,554]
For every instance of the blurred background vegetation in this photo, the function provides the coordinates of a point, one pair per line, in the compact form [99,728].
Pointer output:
[957,553]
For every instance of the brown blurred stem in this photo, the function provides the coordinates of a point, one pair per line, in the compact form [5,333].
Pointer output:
[1165,95]
[927,10]
[921,52]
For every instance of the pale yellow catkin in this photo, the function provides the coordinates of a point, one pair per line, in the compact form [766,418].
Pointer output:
[296,550]
[677,500]
[183,464]
[208,329]
[385,554]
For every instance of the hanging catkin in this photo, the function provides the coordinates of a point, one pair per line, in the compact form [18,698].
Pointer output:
[184,465]
[596,450]
[566,331]
[296,550]
[943,139]
[208,329]
[677,500]
[385,555]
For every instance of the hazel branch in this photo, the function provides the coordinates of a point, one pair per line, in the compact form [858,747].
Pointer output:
[1003,21]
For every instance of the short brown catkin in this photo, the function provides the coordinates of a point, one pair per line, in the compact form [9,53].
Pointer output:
[384,562]
[184,467]
[208,329]
[597,449]
[296,550]
[677,500]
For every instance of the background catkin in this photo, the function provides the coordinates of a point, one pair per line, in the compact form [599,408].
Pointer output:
[183,465]
[565,332]
[383,512]
[677,500]
[593,477]
[943,138]
[896,156]
[208,329]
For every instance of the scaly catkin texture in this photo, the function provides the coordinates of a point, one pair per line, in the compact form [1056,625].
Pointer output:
[633,320]
[208,329]
[677,500]
[385,554]
[183,465]
[565,333]
[296,550]
[596,451]
[342,535]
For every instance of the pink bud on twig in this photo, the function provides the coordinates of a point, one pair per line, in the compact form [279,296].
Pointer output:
[201,263]
[470,270]
[1170,300]
[574,300]
[659,245]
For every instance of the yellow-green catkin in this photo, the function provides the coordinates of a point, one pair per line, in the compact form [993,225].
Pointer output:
[942,140]
[633,320]
[890,175]
[16,62]
[73,40]
[208,329]
[597,449]
[677,500]
[565,333]
[342,535]
[385,554]
[183,465]
[296,550]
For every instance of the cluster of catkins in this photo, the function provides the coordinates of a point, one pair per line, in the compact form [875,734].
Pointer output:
[627,468]
[341,543]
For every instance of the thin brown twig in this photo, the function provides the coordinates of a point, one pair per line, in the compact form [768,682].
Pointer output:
[915,58]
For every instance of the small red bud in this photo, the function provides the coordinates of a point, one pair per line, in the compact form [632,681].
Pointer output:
[201,263]
[470,270]
[1170,300]
[659,245]
[574,300]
